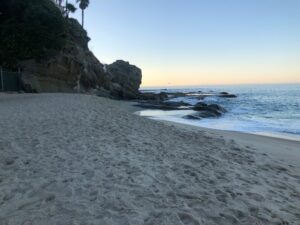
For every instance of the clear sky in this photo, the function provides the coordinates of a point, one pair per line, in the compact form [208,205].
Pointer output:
[199,42]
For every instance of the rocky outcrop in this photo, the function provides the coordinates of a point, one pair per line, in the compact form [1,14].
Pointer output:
[125,79]
[226,95]
[73,69]
[76,69]
[52,51]
[165,105]
[205,107]
[206,111]
[153,97]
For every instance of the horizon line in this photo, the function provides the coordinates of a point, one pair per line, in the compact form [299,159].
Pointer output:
[234,84]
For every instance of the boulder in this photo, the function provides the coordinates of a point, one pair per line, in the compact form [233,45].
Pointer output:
[150,96]
[165,105]
[201,97]
[206,111]
[200,106]
[176,94]
[227,95]
[203,114]
[211,108]
[224,93]
[125,79]
[176,104]
[215,107]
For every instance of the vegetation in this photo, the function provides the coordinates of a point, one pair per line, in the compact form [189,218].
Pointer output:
[83,4]
[35,29]
[69,8]
[32,29]
[29,29]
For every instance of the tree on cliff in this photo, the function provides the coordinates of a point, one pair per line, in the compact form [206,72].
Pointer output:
[83,4]
[59,2]
[70,8]
[29,29]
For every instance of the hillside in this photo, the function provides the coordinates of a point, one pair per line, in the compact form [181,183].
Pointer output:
[52,51]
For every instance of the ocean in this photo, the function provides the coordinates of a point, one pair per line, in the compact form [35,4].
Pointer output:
[271,110]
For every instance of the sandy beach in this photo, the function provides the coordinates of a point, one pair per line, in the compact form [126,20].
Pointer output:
[71,159]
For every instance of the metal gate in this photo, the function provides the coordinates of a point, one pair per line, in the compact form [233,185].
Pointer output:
[10,80]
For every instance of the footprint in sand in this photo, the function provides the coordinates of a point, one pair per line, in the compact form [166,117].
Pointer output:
[231,219]
[9,161]
[188,219]
[255,196]
[221,196]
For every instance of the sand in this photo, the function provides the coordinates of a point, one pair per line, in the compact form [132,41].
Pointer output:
[79,159]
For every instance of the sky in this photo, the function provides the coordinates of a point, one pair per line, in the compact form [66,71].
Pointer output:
[199,42]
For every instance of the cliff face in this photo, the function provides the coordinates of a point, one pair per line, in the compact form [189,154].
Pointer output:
[74,68]
[71,69]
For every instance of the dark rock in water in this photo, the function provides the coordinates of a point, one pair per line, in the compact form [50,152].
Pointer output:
[156,106]
[206,111]
[200,106]
[216,107]
[201,97]
[150,96]
[176,104]
[192,117]
[169,105]
[227,95]
[177,94]
[224,93]
[163,95]
[203,114]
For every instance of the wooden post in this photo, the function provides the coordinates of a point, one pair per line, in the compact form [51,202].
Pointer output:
[2,83]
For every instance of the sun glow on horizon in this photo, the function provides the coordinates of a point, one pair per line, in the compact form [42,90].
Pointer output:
[221,75]
[203,79]
[199,42]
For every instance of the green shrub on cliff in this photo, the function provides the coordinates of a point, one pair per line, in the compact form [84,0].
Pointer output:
[29,29]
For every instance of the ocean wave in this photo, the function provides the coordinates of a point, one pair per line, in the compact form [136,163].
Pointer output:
[262,108]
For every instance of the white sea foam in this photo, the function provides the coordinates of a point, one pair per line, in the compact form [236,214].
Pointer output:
[263,109]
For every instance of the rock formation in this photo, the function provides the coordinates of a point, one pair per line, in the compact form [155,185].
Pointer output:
[76,68]
[206,111]
[66,65]
[125,79]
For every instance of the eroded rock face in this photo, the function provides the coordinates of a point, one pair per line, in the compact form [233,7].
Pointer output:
[125,79]
[71,71]
[76,69]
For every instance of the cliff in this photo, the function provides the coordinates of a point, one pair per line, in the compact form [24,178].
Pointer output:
[67,66]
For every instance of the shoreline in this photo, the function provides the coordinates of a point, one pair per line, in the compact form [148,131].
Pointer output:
[82,159]
[284,136]
[259,141]
[258,110]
